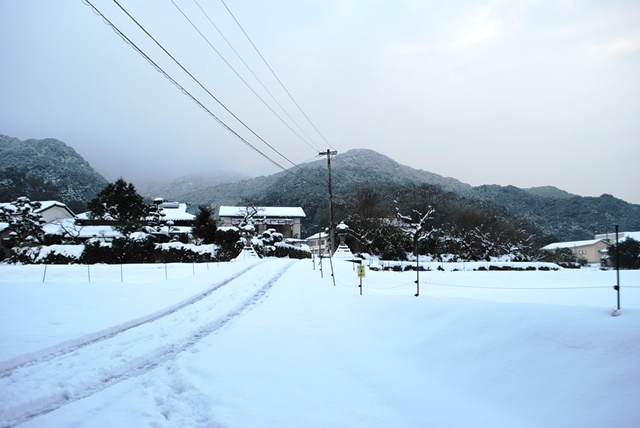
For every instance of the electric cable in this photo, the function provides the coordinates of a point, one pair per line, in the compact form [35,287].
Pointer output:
[307,141]
[175,83]
[204,88]
[275,75]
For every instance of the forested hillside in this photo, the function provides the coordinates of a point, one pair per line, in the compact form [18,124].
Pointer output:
[44,170]
[550,213]
[49,169]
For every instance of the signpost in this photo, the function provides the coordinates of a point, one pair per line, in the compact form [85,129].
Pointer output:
[361,274]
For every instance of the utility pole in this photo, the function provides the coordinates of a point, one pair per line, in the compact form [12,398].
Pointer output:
[332,234]
[617,286]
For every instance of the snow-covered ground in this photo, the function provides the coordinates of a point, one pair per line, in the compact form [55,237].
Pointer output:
[273,344]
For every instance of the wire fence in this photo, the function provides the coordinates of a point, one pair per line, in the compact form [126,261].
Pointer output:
[428,282]
[130,273]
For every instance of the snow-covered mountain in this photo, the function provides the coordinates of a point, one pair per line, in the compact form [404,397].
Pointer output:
[46,169]
[552,212]
[61,173]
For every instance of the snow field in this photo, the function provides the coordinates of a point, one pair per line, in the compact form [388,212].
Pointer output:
[81,371]
[500,349]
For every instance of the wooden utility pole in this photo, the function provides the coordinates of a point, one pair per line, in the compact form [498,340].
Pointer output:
[332,233]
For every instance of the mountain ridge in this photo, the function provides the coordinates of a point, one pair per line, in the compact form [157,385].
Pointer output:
[70,178]
[59,172]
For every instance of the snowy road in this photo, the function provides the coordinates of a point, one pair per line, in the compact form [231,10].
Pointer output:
[38,387]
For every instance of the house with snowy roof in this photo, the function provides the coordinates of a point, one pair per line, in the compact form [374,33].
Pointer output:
[54,210]
[174,213]
[50,210]
[590,250]
[177,213]
[285,220]
[319,243]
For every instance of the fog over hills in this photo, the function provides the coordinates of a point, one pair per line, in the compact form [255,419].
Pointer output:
[49,169]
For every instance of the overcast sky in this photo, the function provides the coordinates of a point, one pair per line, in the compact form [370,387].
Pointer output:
[527,93]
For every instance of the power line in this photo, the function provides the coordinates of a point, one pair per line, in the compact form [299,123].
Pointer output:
[175,83]
[240,77]
[309,139]
[275,75]
[202,86]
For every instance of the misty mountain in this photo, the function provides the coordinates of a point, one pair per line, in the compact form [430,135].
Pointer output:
[553,214]
[190,184]
[49,169]
[352,169]
[44,170]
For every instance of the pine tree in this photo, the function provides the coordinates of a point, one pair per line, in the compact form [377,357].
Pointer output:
[23,223]
[119,202]
[628,253]
[204,225]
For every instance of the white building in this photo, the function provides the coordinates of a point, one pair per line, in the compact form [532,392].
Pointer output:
[319,243]
[54,210]
[589,250]
[285,220]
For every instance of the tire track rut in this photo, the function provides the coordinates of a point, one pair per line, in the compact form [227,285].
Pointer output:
[49,383]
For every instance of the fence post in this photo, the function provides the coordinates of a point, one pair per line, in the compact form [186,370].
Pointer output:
[45,273]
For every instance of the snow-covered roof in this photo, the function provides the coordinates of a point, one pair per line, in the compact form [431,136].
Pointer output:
[176,211]
[325,235]
[226,211]
[68,225]
[45,205]
[83,216]
[172,211]
[632,235]
[557,245]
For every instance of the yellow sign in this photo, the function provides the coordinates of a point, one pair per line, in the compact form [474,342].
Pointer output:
[360,271]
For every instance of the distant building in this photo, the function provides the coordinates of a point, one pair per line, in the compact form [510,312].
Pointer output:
[590,250]
[285,220]
[319,244]
[174,212]
[177,213]
[611,236]
[54,210]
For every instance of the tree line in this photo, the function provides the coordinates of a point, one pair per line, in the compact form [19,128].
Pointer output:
[419,219]
[143,227]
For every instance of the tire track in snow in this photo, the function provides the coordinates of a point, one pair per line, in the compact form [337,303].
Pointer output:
[69,346]
[38,389]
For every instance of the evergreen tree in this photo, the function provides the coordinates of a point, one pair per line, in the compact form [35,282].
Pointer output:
[119,202]
[229,244]
[23,223]
[628,254]
[204,225]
